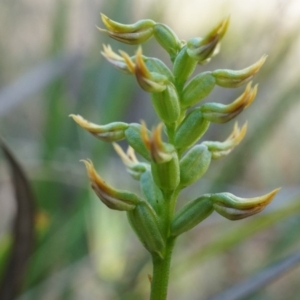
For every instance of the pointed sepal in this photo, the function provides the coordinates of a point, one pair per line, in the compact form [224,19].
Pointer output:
[108,133]
[203,49]
[221,149]
[235,78]
[115,59]
[134,167]
[150,82]
[236,208]
[131,34]
[221,113]
[111,197]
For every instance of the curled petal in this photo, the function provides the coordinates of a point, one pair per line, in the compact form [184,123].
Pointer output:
[116,60]
[127,160]
[134,167]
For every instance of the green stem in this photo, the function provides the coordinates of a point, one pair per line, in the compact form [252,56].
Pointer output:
[161,266]
[161,271]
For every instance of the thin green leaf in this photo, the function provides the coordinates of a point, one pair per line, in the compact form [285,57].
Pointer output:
[23,230]
[255,283]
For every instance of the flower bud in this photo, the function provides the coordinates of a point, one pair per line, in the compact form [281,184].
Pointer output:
[167,38]
[203,49]
[155,65]
[194,164]
[144,222]
[197,89]
[134,167]
[191,215]
[152,193]
[167,175]
[109,133]
[233,78]
[183,67]
[166,104]
[190,130]
[235,208]
[131,34]
[134,138]
[220,113]
[112,198]
[221,149]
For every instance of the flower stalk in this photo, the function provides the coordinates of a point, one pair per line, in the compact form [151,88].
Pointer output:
[170,160]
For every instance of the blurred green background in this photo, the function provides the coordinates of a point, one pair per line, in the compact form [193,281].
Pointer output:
[50,67]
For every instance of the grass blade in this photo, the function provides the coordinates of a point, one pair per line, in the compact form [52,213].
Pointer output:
[255,283]
[23,230]
[234,237]
[33,81]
